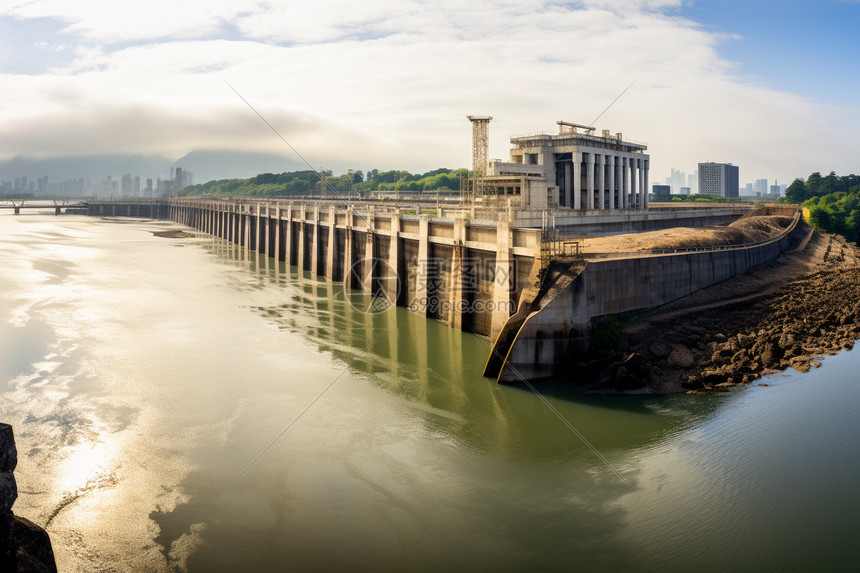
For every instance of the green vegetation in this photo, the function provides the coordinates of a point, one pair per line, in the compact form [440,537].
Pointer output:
[308,183]
[606,332]
[832,203]
[698,198]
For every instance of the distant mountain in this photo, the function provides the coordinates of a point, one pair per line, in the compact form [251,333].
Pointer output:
[211,165]
[205,165]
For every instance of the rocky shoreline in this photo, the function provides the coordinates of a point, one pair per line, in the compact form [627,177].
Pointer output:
[795,311]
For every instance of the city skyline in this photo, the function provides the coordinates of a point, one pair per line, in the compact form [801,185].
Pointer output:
[385,85]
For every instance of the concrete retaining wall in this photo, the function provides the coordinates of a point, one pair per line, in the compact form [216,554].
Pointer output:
[550,339]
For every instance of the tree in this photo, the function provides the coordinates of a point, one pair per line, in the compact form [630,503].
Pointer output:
[796,192]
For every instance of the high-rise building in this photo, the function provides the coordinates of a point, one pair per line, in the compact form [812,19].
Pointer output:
[760,187]
[718,179]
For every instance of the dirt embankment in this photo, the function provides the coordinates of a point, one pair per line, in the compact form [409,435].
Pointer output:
[743,231]
[786,314]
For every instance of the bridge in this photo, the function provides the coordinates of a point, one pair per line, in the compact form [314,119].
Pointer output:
[59,204]
[477,269]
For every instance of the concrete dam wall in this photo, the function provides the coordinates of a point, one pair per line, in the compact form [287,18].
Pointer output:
[477,275]
[466,273]
[550,338]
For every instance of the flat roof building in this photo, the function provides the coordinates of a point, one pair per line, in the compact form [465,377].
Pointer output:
[574,169]
[718,179]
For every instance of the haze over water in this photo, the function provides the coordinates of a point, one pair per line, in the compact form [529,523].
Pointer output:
[144,375]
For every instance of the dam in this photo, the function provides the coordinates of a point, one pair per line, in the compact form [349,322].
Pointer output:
[525,289]
[503,258]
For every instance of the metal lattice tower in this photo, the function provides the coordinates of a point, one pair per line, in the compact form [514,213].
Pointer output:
[480,142]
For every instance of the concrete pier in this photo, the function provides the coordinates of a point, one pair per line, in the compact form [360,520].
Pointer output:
[467,273]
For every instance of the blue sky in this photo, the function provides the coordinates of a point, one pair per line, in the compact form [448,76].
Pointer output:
[804,46]
[770,86]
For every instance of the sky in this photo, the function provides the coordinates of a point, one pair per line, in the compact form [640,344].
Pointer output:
[769,86]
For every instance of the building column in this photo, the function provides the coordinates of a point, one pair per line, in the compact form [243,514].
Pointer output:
[643,177]
[611,168]
[577,180]
[568,184]
[601,181]
[625,172]
[546,158]
[634,176]
[589,180]
[631,177]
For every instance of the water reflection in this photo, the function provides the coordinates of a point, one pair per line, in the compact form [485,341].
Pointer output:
[413,459]
[144,375]
[439,369]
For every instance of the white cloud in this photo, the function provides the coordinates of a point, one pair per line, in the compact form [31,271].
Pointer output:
[382,84]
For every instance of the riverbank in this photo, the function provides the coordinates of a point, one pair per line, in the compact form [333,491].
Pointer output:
[787,314]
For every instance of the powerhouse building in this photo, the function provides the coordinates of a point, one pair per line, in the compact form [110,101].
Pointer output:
[575,169]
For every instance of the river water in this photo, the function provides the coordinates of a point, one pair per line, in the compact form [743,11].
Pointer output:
[180,404]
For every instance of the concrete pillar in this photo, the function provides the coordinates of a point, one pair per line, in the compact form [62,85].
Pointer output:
[278,233]
[546,158]
[247,219]
[315,242]
[332,243]
[423,258]
[589,175]
[347,250]
[601,181]
[369,253]
[288,236]
[458,273]
[258,228]
[577,180]
[625,194]
[568,184]
[645,180]
[502,283]
[393,280]
[611,169]
[267,231]
[300,248]
[634,182]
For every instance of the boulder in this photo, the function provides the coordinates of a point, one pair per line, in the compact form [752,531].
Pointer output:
[681,357]
[35,554]
[8,451]
[8,491]
[659,349]
[633,373]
